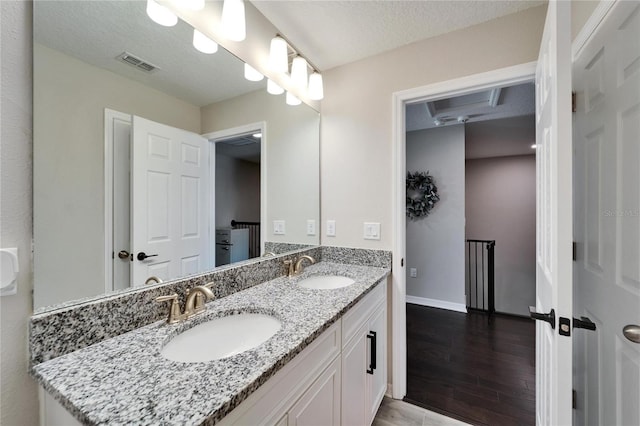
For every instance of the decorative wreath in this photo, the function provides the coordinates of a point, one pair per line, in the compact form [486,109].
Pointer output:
[422,194]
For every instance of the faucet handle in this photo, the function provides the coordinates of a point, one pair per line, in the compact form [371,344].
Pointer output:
[174,310]
[289,265]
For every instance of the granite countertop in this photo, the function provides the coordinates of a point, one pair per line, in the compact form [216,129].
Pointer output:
[125,380]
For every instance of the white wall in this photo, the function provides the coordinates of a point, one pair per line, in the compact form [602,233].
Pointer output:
[356,127]
[69,101]
[501,206]
[18,398]
[293,149]
[435,244]
[237,191]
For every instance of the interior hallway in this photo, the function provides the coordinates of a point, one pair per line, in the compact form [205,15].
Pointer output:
[469,367]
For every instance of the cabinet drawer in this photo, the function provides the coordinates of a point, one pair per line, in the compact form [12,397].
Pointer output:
[357,315]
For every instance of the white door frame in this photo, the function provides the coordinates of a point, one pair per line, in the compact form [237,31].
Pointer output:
[220,135]
[501,77]
[109,117]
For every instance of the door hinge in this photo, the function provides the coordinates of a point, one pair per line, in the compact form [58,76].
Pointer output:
[574,107]
[575,251]
[574,399]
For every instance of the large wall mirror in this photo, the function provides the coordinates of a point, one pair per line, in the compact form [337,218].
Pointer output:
[146,150]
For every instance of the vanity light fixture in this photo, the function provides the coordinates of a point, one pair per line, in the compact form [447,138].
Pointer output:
[463,119]
[203,43]
[299,74]
[252,74]
[278,55]
[233,22]
[161,14]
[193,4]
[292,99]
[316,91]
[273,88]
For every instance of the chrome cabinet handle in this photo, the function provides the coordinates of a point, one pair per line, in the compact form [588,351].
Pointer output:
[550,317]
[632,332]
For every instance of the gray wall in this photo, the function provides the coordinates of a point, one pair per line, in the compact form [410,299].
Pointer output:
[435,244]
[237,191]
[501,205]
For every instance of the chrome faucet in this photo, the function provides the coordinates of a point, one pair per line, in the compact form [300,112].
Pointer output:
[193,306]
[296,268]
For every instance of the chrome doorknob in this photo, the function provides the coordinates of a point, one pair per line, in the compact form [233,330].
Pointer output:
[632,332]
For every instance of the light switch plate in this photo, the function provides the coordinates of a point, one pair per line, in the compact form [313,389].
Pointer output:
[331,228]
[278,227]
[371,231]
[311,227]
[413,272]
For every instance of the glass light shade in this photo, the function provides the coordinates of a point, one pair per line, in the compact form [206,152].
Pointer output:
[316,91]
[299,74]
[193,4]
[273,88]
[160,14]
[203,43]
[233,22]
[292,99]
[252,74]
[278,56]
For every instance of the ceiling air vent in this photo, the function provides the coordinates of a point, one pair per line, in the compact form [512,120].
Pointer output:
[139,63]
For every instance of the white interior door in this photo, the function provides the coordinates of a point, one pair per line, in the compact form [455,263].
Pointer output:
[170,203]
[554,218]
[607,219]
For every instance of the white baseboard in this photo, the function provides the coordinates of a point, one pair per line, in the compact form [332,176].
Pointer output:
[434,303]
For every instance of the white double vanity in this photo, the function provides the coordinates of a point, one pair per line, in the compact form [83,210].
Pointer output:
[326,364]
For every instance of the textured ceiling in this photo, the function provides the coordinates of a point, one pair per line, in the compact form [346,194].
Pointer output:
[333,33]
[97,32]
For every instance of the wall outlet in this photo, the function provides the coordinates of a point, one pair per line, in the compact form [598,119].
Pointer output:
[413,272]
[331,228]
[311,227]
[371,231]
[278,227]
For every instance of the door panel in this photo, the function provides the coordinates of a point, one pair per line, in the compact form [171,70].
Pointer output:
[607,218]
[170,204]
[554,216]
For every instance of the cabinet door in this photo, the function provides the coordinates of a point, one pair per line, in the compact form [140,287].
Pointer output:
[354,380]
[320,404]
[377,382]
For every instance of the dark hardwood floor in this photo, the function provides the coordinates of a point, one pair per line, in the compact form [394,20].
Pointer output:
[471,368]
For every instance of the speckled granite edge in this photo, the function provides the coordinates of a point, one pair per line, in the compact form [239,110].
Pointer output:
[280,248]
[356,256]
[75,325]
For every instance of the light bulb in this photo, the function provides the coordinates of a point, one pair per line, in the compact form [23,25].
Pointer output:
[292,100]
[193,4]
[252,74]
[160,14]
[316,91]
[278,56]
[233,23]
[203,43]
[299,72]
[273,88]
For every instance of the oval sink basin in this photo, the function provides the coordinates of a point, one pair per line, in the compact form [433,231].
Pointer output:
[221,338]
[326,282]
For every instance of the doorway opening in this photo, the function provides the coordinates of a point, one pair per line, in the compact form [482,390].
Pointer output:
[238,159]
[462,86]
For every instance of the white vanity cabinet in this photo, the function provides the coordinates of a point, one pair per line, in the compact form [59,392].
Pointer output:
[364,363]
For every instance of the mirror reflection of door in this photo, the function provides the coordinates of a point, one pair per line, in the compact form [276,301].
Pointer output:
[238,197]
[159,213]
